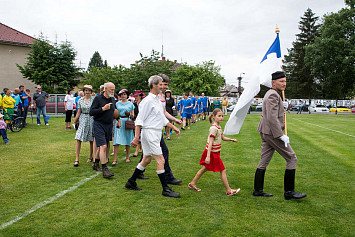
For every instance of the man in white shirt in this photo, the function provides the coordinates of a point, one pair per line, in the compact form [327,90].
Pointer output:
[152,120]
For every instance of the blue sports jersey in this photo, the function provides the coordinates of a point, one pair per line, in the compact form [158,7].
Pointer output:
[180,104]
[199,104]
[204,101]
[193,100]
[187,103]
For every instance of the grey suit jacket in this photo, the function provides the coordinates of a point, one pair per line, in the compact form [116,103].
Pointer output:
[272,120]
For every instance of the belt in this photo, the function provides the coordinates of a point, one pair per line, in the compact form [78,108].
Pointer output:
[123,116]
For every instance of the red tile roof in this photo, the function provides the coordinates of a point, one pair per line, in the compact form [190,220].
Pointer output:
[12,36]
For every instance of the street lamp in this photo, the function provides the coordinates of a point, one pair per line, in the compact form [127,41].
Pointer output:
[240,83]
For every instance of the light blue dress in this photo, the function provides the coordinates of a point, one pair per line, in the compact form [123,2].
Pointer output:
[123,136]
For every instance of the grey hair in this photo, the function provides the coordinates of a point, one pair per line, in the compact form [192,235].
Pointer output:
[154,80]
[102,87]
[107,84]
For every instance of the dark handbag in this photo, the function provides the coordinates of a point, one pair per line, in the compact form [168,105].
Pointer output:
[174,113]
[129,125]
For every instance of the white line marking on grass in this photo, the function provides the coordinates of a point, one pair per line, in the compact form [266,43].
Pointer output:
[325,128]
[50,200]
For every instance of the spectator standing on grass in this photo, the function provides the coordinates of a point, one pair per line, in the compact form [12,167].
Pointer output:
[102,109]
[271,128]
[300,106]
[3,127]
[8,104]
[211,159]
[39,102]
[152,120]
[86,123]
[25,98]
[224,105]
[69,102]
[18,104]
[123,136]
[217,103]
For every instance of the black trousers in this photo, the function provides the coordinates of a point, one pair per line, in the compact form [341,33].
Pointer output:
[168,173]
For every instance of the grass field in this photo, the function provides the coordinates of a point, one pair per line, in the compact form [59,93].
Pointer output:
[37,167]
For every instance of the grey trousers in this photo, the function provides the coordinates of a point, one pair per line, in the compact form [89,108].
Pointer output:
[268,146]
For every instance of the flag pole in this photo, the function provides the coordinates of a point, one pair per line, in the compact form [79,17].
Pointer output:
[283,98]
[277,31]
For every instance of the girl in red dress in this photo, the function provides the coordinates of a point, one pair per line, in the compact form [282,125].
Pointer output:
[211,159]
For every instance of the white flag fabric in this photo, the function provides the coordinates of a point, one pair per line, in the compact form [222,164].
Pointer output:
[262,75]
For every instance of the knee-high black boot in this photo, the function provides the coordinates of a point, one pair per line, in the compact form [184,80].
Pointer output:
[259,184]
[289,185]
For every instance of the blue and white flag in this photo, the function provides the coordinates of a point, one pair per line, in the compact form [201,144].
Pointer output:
[270,63]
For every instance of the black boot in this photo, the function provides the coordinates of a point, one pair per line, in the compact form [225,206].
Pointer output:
[289,184]
[259,184]
[131,183]
[168,192]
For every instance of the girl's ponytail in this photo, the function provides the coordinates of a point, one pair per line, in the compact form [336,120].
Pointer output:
[210,118]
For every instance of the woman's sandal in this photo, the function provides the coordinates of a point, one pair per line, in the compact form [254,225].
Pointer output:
[89,160]
[76,163]
[194,187]
[232,192]
[114,163]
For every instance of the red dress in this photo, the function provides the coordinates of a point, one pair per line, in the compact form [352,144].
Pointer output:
[216,164]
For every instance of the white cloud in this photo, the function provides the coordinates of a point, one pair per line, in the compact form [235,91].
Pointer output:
[236,34]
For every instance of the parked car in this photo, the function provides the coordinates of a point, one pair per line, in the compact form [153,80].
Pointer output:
[340,109]
[259,107]
[304,108]
[353,110]
[319,108]
[51,104]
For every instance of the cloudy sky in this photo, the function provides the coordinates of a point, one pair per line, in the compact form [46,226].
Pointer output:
[235,34]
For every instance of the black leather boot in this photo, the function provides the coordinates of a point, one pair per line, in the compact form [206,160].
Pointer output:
[167,191]
[259,184]
[289,184]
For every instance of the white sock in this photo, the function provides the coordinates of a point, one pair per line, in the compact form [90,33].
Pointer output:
[160,171]
[140,167]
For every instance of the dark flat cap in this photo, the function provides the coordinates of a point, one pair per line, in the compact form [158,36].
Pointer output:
[278,75]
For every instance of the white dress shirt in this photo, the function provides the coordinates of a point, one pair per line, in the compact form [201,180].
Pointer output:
[151,113]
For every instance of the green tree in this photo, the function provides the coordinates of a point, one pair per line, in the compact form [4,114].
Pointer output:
[97,77]
[300,81]
[202,78]
[332,56]
[51,66]
[96,61]
[136,77]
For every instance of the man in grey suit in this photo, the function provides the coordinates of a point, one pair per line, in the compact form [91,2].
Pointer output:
[271,128]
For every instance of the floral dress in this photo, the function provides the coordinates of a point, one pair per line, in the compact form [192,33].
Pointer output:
[85,130]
